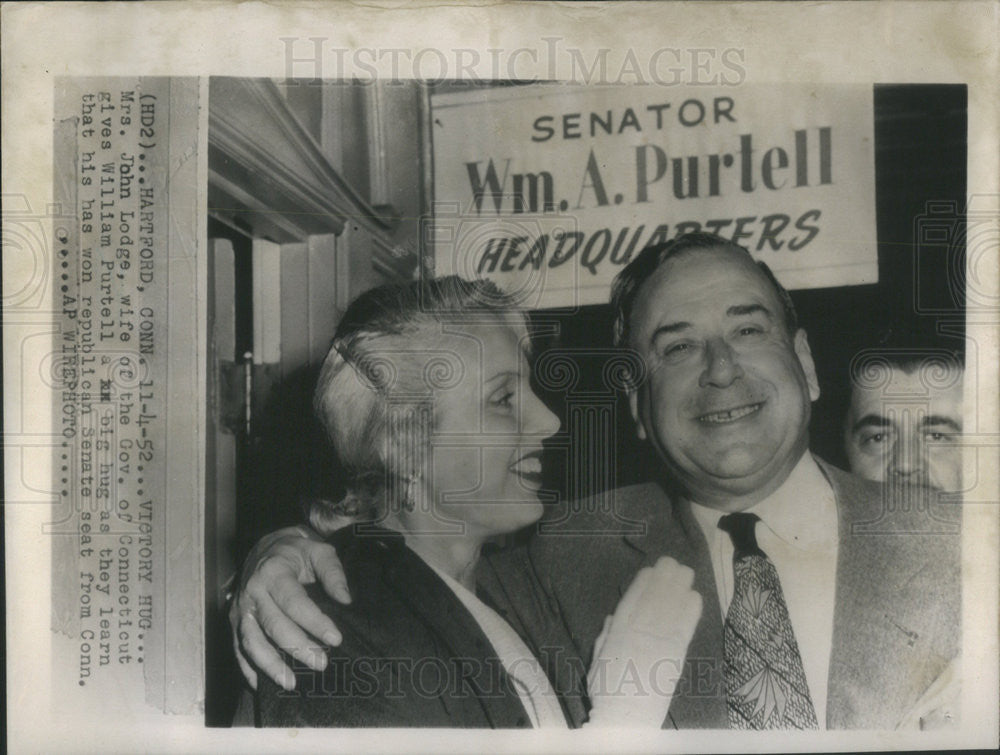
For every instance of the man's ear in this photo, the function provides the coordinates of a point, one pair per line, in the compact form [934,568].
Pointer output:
[633,406]
[804,355]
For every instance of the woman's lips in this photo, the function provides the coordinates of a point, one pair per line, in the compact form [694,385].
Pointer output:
[529,469]
[728,416]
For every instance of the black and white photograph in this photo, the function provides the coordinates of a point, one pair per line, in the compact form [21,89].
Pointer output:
[425,373]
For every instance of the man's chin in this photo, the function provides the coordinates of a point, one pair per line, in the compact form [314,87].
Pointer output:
[734,478]
[737,465]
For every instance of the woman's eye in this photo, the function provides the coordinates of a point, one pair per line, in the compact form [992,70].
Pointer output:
[504,400]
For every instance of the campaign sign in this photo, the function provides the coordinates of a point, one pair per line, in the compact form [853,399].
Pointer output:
[551,189]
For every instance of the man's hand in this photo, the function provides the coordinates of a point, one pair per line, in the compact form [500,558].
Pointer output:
[639,655]
[271,606]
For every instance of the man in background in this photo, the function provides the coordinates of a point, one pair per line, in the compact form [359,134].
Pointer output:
[904,423]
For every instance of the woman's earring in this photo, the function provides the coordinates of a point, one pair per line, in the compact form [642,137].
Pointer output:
[409,500]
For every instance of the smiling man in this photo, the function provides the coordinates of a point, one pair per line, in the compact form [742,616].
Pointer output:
[816,612]
[772,533]
[730,377]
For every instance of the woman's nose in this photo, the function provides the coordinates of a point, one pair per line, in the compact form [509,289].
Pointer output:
[722,366]
[538,419]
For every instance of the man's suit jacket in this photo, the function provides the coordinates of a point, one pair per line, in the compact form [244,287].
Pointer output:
[897,593]
[412,654]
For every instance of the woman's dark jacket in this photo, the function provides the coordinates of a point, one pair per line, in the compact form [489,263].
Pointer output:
[412,654]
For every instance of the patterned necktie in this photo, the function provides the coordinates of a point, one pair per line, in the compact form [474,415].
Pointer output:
[765,683]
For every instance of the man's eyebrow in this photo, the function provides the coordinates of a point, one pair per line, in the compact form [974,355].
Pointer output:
[870,420]
[673,327]
[738,310]
[940,419]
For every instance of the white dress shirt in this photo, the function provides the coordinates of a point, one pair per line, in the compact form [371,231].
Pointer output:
[798,532]
[529,679]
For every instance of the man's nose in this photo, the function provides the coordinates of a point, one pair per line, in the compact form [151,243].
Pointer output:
[722,366]
[907,459]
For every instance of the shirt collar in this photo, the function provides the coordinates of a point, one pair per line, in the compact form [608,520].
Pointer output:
[783,512]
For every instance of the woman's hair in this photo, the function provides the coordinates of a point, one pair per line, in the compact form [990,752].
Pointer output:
[374,396]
